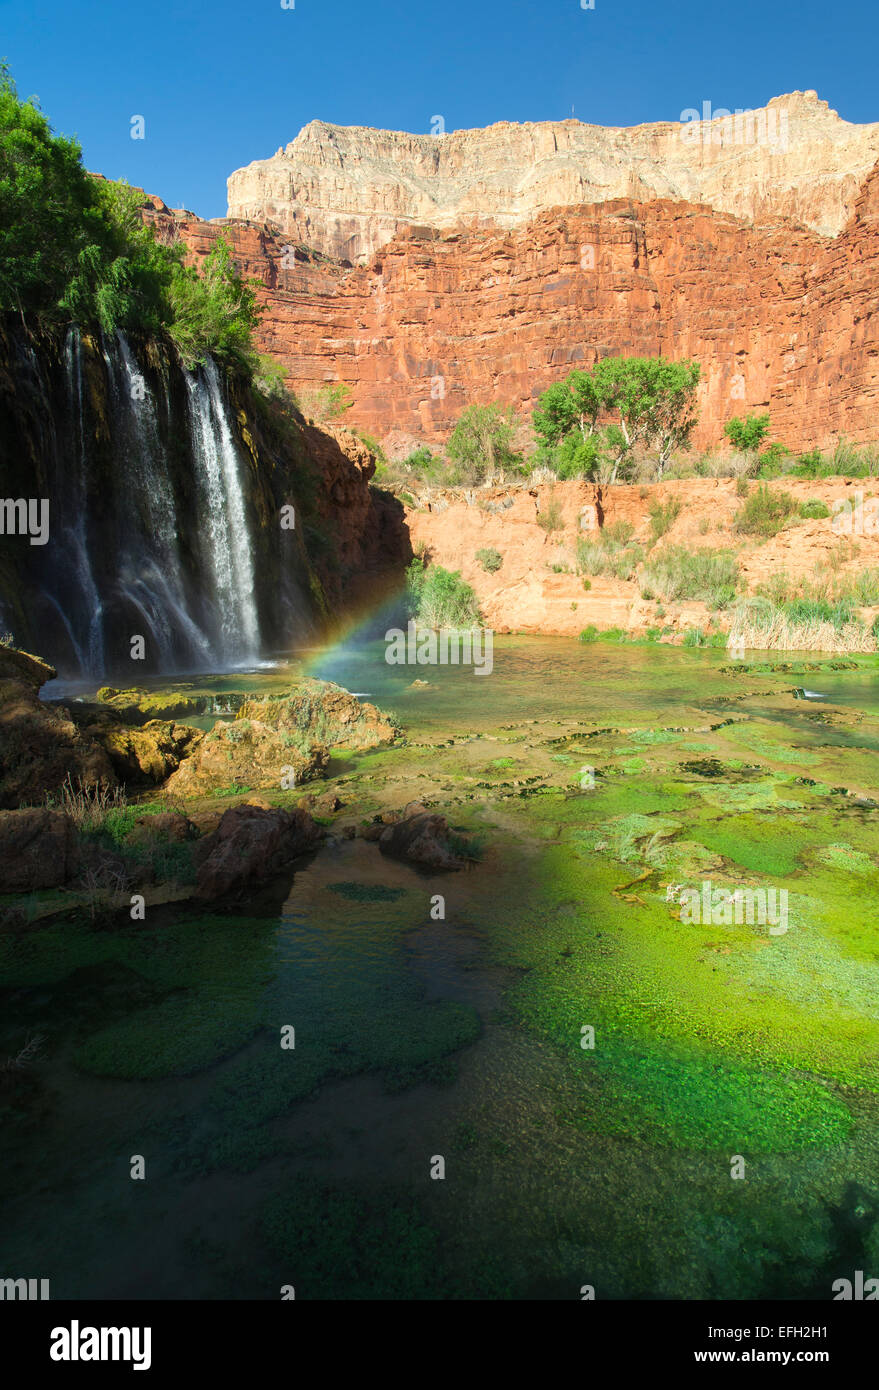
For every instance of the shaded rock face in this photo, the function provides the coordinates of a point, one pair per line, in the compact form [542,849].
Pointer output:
[40,745]
[322,712]
[147,756]
[38,849]
[249,754]
[142,752]
[169,496]
[347,191]
[45,745]
[780,317]
[251,844]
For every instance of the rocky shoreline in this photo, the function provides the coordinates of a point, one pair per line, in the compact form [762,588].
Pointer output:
[114,808]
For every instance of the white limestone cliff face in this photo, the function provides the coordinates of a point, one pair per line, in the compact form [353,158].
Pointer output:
[346,190]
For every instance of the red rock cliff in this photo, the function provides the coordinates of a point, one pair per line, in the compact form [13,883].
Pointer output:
[780,317]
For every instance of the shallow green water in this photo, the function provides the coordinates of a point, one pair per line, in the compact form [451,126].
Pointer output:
[461,1039]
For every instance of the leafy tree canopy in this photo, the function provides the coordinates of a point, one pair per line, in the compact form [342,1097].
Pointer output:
[75,249]
[648,401]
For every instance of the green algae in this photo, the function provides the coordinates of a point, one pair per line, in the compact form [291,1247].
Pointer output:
[710,1041]
[846,858]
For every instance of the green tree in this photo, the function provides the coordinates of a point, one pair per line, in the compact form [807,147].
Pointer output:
[747,434]
[50,215]
[655,400]
[75,249]
[571,404]
[482,441]
[652,400]
[213,312]
[577,457]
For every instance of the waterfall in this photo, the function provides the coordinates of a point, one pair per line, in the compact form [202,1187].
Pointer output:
[149,513]
[223,516]
[151,578]
[75,516]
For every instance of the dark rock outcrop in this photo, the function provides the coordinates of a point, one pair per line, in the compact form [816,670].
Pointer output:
[38,849]
[41,746]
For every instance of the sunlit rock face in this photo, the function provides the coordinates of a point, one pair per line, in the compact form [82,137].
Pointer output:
[346,191]
[780,317]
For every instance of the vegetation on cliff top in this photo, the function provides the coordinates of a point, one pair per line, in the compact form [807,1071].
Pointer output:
[74,249]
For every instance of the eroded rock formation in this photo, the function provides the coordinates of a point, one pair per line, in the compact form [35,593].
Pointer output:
[781,317]
[347,191]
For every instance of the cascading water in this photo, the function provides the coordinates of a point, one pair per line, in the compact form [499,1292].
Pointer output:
[150,576]
[74,520]
[150,514]
[226,537]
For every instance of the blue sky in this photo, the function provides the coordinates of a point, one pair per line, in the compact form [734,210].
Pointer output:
[220,84]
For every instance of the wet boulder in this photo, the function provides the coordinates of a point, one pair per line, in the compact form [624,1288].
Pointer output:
[250,845]
[423,839]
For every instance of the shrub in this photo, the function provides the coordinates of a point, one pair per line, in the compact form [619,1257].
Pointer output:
[327,403]
[813,510]
[550,518]
[437,597]
[808,610]
[89,806]
[711,576]
[863,587]
[663,517]
[810,465]
[764,513]
[482,442]
[771,461]
[590,634]
[490,560]
[620,532]
[596,557]
[743,487]
[748,433]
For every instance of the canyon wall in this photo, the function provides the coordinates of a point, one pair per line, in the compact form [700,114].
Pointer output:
[347,191]
[780,317]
